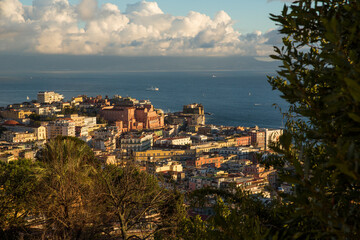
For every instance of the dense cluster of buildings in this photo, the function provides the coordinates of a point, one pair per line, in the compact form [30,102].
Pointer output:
[180,146]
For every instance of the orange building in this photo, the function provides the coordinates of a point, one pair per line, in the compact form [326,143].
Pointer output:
[200,161]
[243,141]
[133,117]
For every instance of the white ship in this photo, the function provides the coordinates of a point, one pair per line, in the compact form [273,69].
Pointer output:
[152,89]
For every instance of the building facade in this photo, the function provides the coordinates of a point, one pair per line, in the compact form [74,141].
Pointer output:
[49,97]
[60,128]
[158,154]
[177,141]
[133,117]
[136,143]
[257,138]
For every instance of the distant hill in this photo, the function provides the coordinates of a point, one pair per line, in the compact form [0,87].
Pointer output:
[15,64]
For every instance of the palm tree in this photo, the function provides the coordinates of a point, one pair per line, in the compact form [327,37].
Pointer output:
[65,200]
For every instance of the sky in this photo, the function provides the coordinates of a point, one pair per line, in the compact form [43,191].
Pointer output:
[248,16]
[139,28]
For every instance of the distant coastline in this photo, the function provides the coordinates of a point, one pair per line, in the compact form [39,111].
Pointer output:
[226,96]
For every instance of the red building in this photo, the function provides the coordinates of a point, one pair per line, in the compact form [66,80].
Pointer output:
[133,117]
[243,141]
[257,138]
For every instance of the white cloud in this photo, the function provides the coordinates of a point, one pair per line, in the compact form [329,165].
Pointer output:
[87,9]
[12,10]
[143,8]
[57,27]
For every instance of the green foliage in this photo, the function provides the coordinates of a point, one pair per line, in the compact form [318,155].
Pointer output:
[66,197]
[67,194]
[136,201]
[18,185]
[68,150]
[237,215]
[2,129]
[36,118]
[69,110]
[319,152]
[100,120]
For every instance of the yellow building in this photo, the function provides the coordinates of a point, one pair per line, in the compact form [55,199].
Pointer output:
[15,114]
[163,154]
[19,137]
[78,99]
[78,120]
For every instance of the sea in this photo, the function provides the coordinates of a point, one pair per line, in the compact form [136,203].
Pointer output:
[232,98]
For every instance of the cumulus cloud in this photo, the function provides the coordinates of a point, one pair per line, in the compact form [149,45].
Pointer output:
[143,8]
[87,9]
[57,27]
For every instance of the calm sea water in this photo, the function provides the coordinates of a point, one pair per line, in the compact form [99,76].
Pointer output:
[233,98]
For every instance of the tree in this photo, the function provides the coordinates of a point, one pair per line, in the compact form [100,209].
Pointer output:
[236,215]
[320,149]
[66,197]
[18,184]
[2,130]
[137,205]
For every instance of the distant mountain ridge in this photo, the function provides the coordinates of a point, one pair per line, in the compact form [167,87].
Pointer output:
[14,64]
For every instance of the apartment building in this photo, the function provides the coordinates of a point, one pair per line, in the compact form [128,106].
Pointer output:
[49,97]
[60,127]
[134,142]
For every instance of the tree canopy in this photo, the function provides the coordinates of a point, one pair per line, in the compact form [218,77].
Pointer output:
[319,152]
[18,186]
[318,155]
[69,194]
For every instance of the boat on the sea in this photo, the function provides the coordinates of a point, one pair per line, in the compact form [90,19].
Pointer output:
[214,76]
[153,89]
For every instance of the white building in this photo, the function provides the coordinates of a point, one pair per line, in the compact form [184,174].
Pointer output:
[241,152]
[136,143]
[90,122]
[49,97]
[47,110]
[104,144]
[177,141]
[40,132]
[272,135]
[169,167]
[199,138]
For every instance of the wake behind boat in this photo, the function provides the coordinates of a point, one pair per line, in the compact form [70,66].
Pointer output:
[152,89]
